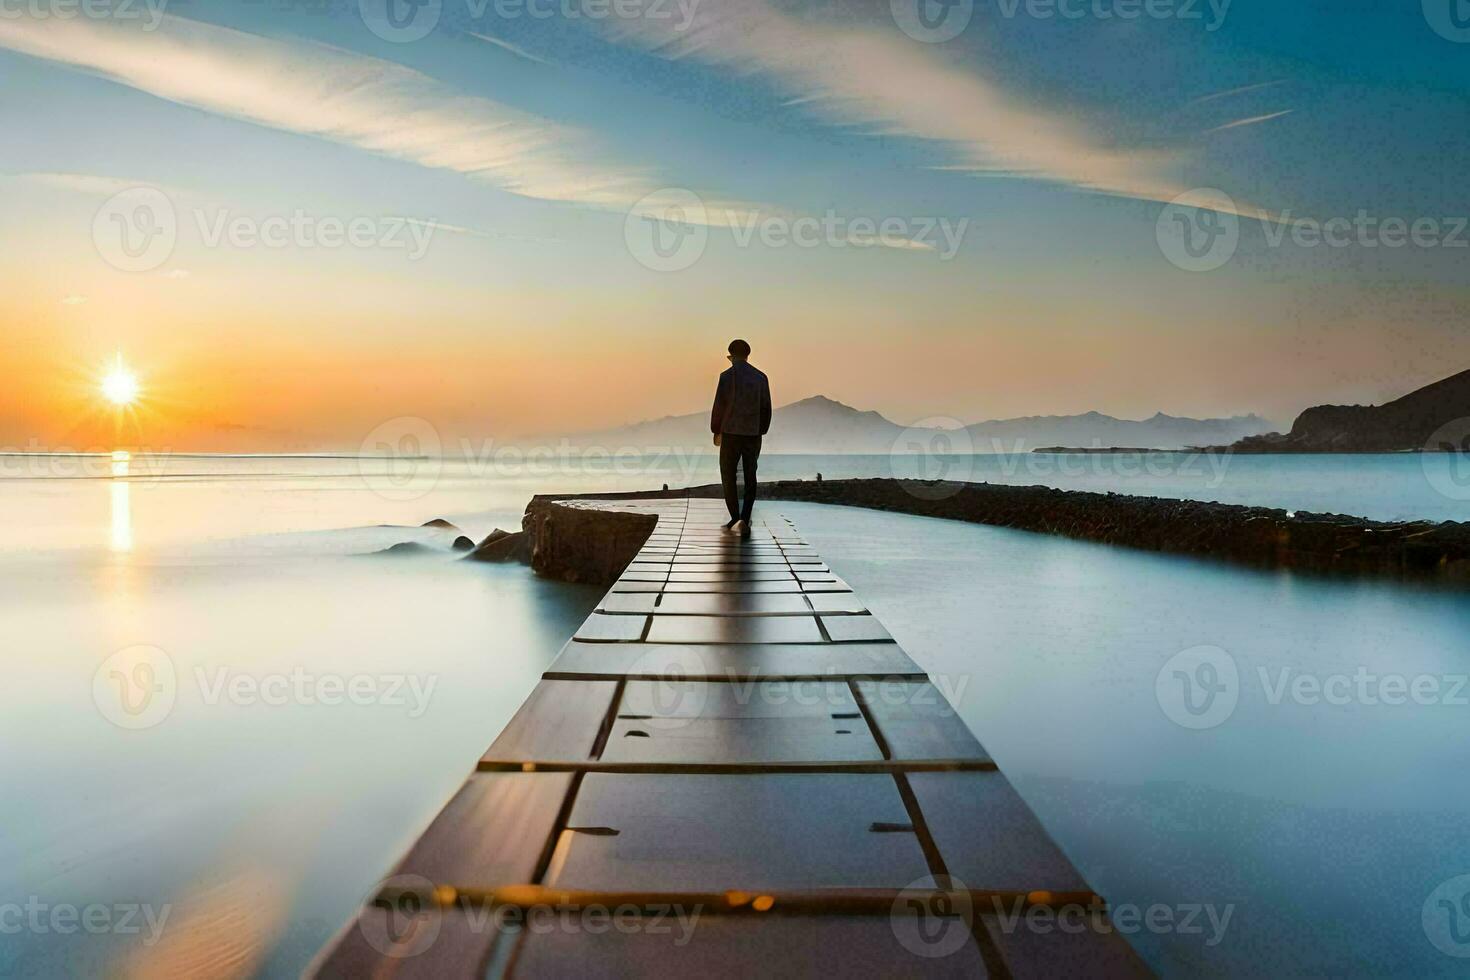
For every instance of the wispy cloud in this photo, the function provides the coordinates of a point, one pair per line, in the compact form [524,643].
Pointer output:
[1230,93]
[879,79]
[512,48]
[1251,121]
[337,95]
[74,300]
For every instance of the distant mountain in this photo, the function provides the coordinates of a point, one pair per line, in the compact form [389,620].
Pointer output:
[1097,431]
[820,425]
[1409,423]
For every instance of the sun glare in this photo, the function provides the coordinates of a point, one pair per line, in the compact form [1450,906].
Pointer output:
[120,386]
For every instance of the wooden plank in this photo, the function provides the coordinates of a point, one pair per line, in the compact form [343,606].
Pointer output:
[598,661]
[846,629]
[916,722]
[751,832]
[695,945]
[605,628]
[702,722]
[1032,954]
[492,833]
[389,942]
[734,629]
[988,837]
[560,720]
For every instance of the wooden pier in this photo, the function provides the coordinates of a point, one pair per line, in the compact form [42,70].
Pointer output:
[732,769]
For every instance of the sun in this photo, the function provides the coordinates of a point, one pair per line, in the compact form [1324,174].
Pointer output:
[120,386]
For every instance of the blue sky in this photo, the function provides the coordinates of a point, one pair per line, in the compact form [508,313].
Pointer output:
[527,140]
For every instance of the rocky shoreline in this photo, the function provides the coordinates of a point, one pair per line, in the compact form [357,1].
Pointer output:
[579,545]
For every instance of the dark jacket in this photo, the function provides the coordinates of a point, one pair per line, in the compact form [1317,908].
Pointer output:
[742,402]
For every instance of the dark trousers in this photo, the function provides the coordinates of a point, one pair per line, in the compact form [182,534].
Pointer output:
[742,451]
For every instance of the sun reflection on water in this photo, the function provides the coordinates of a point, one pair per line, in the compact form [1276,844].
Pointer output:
[122,511]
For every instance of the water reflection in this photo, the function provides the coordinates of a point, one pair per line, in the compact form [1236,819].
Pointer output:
[122,511]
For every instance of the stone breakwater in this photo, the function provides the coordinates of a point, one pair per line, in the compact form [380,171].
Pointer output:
[1260,536]
[594,546]
[563,541]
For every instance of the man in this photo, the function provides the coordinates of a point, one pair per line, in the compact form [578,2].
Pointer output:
[742,414]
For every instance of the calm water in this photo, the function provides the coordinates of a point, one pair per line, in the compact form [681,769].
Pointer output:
[320,702]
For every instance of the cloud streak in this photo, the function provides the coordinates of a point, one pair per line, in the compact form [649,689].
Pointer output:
[336,95]
[1250,121]
[879,79]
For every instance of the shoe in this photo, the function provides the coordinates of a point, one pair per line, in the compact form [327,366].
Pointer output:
[742,528]
[731,523]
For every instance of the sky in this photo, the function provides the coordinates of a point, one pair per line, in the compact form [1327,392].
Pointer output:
[296,221]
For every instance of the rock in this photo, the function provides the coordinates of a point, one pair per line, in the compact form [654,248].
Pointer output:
[502,546]
[1260,536]
[580,544]
[463,543]
[404,548]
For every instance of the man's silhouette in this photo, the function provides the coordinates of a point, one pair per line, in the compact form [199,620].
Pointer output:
[742,414]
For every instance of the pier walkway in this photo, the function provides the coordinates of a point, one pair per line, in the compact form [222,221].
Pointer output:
[732,769]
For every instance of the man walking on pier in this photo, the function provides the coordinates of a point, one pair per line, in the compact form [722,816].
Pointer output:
[742,414]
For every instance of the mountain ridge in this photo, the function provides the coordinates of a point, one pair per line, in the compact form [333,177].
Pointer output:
[822,425]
